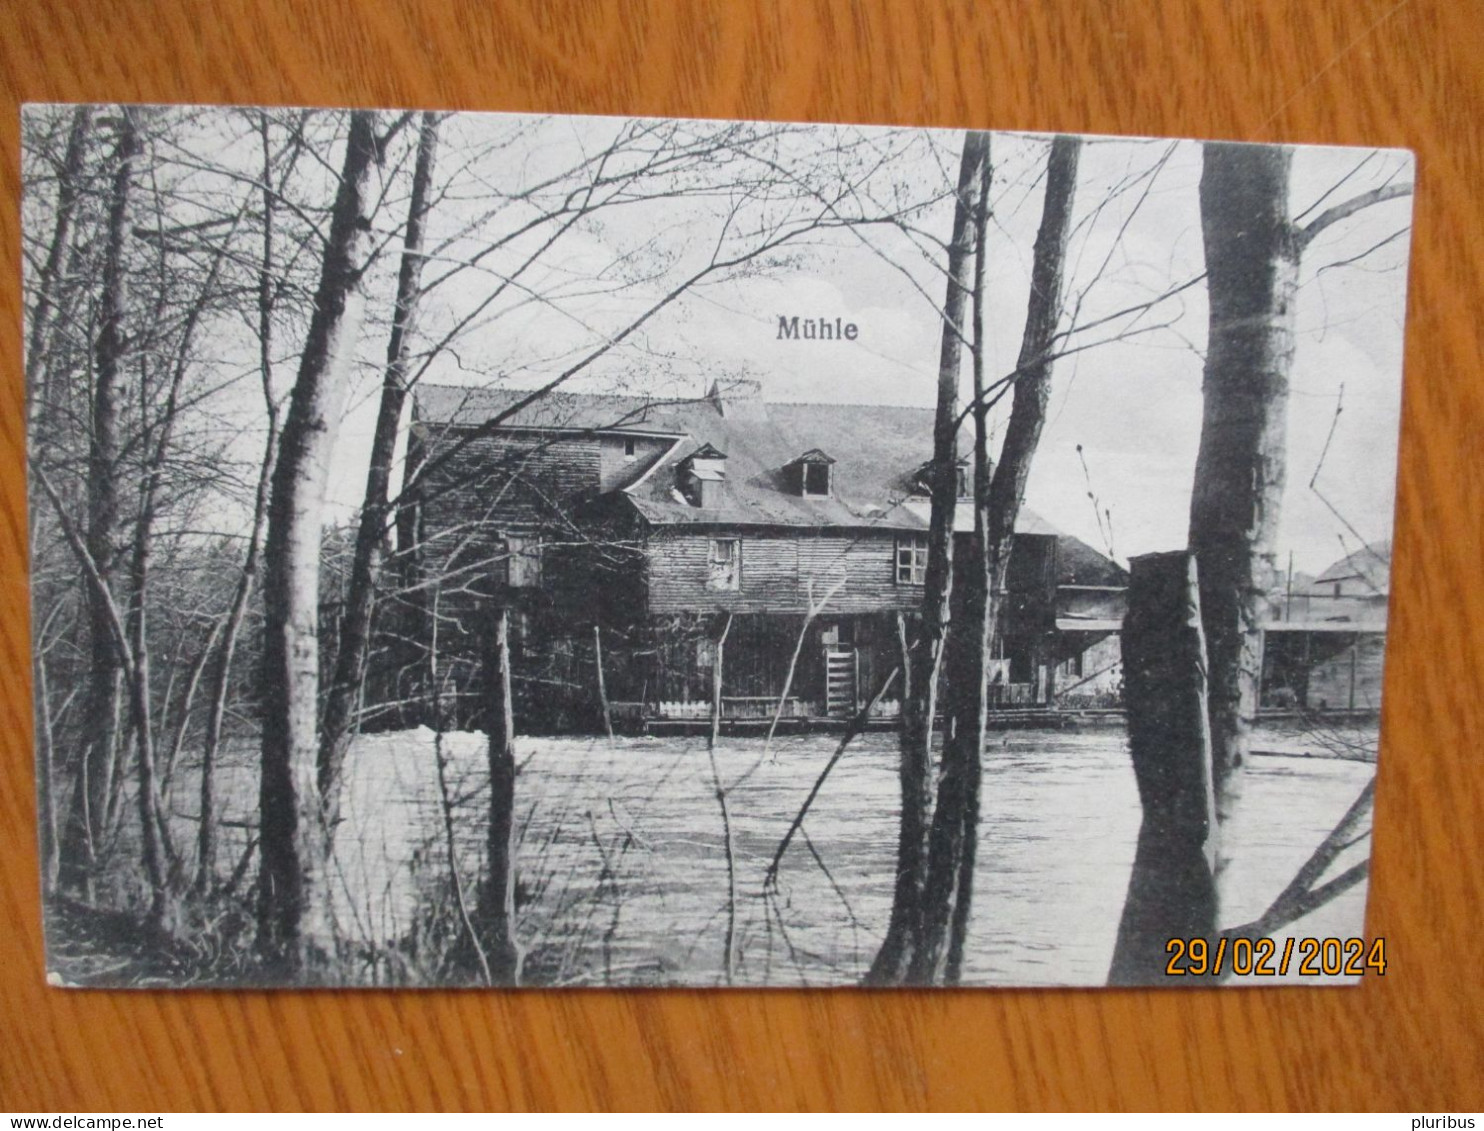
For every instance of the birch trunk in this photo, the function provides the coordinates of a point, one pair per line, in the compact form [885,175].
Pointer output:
[294,922]
[1252,258]
[372,533]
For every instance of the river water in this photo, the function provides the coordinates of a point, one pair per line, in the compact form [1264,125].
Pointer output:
[624,880]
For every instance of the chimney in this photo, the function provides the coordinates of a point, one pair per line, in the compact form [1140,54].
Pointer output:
[739,398]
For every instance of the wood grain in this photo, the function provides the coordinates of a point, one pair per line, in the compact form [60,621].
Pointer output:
[1344,71]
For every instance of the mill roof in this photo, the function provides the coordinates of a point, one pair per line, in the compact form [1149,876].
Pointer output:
[878,455]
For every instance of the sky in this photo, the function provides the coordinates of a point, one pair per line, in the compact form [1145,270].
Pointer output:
[1130,402]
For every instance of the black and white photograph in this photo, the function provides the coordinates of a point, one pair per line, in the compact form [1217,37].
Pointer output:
[502,550]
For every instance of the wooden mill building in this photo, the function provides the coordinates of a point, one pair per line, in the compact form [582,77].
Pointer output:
[624,531]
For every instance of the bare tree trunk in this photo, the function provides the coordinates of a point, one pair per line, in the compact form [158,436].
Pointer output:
[162,904]
[1252,258]
[153,835]
[371,535]
[1253,251]
[445,800]
[294,923]
[88,815]
[920,708]
[40,390]
[496,910]
[151,784]
[602,683]
[729,951]
[954,839]
[151,819]
[46,804]
[54,269]
[1171,891]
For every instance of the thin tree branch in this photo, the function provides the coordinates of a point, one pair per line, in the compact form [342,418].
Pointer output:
[1331,216]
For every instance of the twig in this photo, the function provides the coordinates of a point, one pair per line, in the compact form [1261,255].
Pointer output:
[857,724]
[721,801]
[441,761]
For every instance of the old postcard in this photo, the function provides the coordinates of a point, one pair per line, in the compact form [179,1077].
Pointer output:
[483,549]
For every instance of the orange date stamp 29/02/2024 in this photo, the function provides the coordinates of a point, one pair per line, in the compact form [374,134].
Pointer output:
[1269,958]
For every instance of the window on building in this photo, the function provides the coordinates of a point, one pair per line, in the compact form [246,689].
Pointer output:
[912,555]
[963,479]
[522,561]
[816,478]
[1337,588]
[724,568]
[628,448]
[811,474]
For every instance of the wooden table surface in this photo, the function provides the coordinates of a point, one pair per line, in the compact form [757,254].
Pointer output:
[1371,72]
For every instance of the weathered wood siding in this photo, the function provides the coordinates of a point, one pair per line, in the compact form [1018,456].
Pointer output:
[1350,678]
[517,481]
[778,569]
[599,573]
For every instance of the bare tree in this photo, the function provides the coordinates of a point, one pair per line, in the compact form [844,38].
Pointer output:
[231,624]
[371,533]
[1253,253]
[294,919]
[54,268]
[998,496]
[1190,767]
[50,283]
[894,961]
[925,938]
[88,819]
[495,913]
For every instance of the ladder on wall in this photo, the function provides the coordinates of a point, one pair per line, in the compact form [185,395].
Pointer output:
[840,674]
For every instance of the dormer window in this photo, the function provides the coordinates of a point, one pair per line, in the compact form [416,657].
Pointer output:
[963,479]
[701,475]
[811,475]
